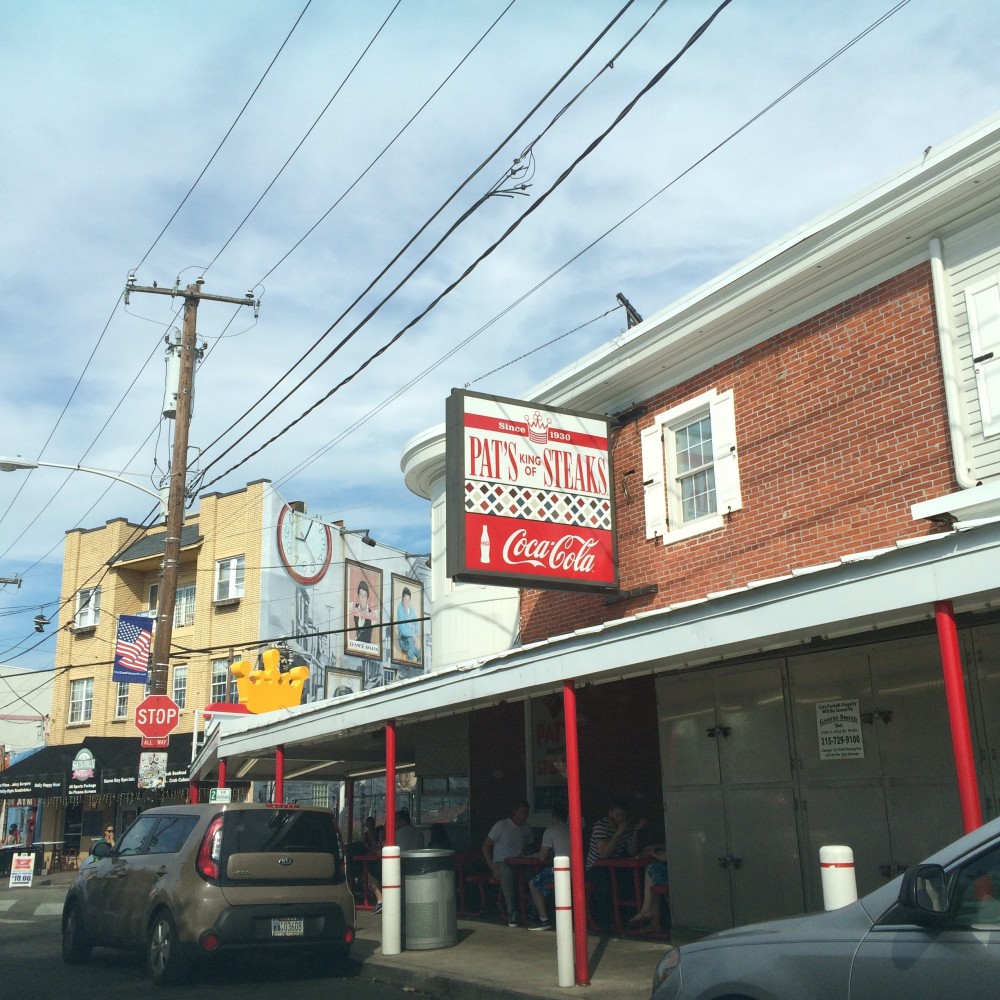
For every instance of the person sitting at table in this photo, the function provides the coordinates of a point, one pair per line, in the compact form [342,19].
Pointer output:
[612,837]
[555,843]
[508,838]
[375,867]
[656,874]
[408,837]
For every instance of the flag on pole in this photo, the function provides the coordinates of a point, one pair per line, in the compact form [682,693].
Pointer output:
[135,636]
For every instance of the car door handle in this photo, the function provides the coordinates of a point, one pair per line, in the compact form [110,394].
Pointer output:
[161,871]
[120,873]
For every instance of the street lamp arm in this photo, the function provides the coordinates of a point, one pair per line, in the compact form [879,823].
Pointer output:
[15,464]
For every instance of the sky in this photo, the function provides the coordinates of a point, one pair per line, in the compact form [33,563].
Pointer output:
[348,162]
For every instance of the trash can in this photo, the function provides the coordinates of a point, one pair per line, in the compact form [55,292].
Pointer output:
[428,899]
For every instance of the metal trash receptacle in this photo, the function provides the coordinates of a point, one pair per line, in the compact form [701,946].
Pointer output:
[428,899]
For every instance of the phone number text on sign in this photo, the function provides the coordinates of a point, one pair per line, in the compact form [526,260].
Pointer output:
[839,727]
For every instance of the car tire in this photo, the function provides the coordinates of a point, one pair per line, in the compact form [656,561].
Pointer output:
[163,954]
[76,943]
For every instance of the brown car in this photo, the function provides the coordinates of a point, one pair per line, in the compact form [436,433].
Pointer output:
[189,882]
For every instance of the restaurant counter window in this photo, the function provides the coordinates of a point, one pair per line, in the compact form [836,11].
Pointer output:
[81,701]
[690,470]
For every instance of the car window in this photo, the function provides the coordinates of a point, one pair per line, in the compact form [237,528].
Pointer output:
[135,836]
[261,831]
[170,833]
[976,892]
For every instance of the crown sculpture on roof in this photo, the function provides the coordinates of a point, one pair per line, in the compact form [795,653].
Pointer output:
[266,688]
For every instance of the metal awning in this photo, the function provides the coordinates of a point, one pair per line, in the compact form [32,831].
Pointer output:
[865,591]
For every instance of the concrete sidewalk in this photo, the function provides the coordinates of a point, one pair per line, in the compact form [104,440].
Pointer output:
[490,961]
[497,962]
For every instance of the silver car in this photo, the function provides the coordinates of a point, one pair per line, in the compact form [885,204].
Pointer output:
[933,932]
[194,881]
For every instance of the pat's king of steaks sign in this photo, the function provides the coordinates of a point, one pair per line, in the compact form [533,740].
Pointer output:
[530,495]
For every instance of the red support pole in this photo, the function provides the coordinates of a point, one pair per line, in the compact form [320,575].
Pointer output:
[390,782]
[279,774]
[576,870]
[192,793]
[958,716]
[349,795]
[222,772]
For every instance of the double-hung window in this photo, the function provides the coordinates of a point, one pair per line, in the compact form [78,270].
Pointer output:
[88,607]
[229,578]
[184,606]
[223,683]
[179,687]
[690,470]
[121,700]
[81,701]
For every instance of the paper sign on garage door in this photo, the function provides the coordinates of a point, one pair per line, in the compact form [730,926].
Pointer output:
[839,726]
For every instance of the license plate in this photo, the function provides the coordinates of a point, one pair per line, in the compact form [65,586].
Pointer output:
[287,927]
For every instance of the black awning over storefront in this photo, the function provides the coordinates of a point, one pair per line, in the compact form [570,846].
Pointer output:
[48,773]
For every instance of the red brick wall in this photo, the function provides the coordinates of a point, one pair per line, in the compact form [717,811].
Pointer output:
[840,426]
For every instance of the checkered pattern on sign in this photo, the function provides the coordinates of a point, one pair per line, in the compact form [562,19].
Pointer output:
[554,506]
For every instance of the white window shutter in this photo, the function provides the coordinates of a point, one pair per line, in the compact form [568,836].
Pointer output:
[983,305]
[727,471]
[654,492]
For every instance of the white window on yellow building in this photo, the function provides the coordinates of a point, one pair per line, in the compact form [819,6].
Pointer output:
[179,686]
[184,606]
[88,607]
[121,700]
[81,700]
[229,575]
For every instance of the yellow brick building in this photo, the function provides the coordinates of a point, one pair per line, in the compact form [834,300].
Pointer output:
[114,570]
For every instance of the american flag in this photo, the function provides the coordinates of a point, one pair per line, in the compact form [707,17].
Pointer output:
[135,635]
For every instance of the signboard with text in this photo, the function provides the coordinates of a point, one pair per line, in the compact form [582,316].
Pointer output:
[530,495]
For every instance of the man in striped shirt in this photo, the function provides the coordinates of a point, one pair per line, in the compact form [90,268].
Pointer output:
[614,836]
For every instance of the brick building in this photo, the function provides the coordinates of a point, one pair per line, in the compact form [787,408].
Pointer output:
[806,466]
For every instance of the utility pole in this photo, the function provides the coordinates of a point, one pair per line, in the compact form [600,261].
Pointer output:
[163,635]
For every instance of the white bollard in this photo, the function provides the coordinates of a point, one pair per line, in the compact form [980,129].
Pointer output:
[564,922]
[392,901]
[836,864]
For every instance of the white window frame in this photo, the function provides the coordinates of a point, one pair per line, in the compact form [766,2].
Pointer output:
[121,700]
[152,599]
[178,685]
[81,701]
[230,578]
[88,607]
[664,517]
[184,606]
[222,682]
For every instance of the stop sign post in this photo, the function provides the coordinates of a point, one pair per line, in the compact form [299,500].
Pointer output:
[156,718]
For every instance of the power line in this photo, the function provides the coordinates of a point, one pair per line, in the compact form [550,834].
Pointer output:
[483,164]
[486,253]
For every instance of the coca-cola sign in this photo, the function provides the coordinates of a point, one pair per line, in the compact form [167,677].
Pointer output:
[530,499]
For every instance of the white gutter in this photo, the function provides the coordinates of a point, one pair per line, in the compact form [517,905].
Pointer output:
[957,430]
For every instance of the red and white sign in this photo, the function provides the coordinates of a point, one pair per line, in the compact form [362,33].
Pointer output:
[156,718]
[532,486]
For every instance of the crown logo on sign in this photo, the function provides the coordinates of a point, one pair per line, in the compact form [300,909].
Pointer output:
[538,427]
[266,689]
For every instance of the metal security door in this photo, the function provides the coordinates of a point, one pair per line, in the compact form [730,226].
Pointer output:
[843,801]
[729,802]
[981,654]
[918,762]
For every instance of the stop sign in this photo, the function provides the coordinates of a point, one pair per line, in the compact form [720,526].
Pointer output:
[157,716]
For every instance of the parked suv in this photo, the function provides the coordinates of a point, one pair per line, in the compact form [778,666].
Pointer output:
[192,881]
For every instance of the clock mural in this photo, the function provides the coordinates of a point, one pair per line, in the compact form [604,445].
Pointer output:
[305,546]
